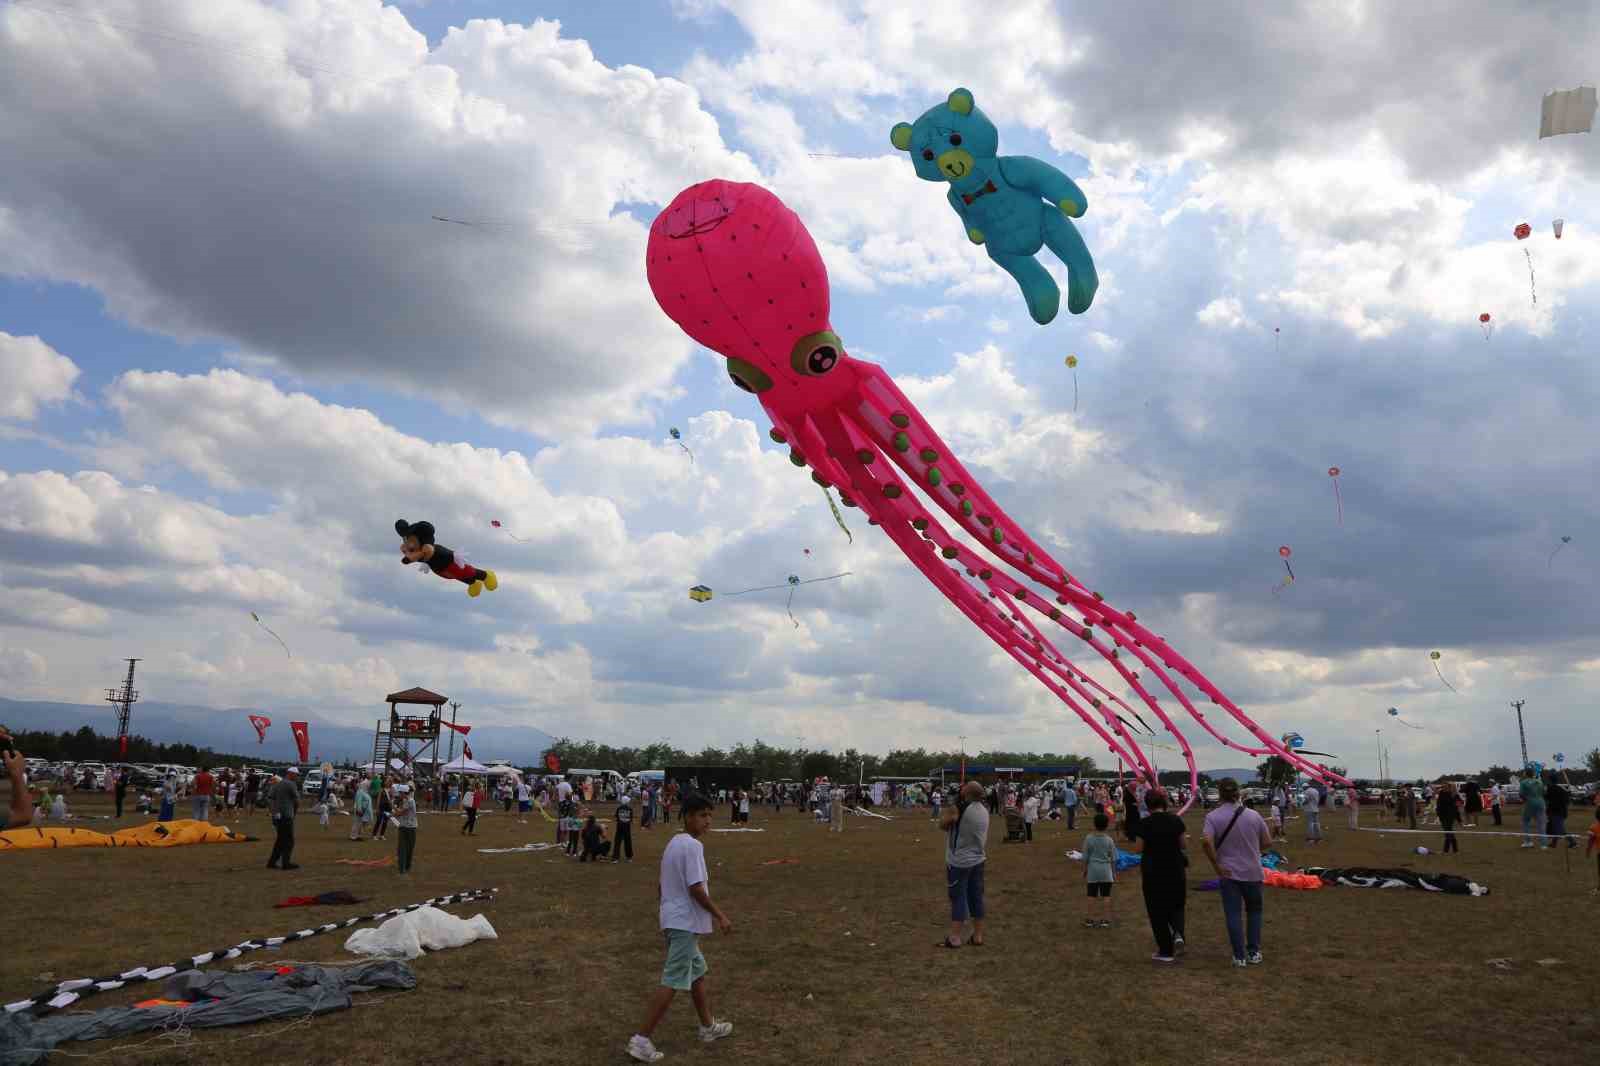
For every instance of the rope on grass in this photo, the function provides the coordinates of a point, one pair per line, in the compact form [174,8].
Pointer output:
[66,993]
[1471,833]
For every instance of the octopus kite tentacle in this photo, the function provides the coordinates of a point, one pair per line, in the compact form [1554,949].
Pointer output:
[916,448]
[887,501]
[738,272]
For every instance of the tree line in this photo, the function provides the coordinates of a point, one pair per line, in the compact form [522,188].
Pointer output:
[773,763]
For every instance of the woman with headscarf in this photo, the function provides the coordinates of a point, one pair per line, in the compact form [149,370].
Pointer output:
[1448,808]
[1130,812]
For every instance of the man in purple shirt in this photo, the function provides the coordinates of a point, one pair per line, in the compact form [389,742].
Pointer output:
[1234,837]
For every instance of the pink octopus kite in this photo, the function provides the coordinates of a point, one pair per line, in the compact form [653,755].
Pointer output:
[737,270]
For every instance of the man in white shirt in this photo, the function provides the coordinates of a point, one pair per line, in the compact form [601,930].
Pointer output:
[1311,807]
[686,914]
[1030,814]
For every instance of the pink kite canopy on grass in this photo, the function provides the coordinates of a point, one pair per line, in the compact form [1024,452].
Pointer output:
[738,272]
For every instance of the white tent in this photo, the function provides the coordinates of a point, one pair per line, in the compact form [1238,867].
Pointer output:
[502,770]
[463,765]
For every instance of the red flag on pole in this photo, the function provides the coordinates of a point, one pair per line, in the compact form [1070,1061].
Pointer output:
[123,745]
[466,749]
[302,738]
[462,729]
[261,722]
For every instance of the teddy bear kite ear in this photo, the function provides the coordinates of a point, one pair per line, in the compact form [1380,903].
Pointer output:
[900,136]
[961,101]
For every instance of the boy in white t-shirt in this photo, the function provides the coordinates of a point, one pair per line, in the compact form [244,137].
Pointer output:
[686,914]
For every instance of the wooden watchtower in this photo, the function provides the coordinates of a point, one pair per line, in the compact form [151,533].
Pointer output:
[412,739]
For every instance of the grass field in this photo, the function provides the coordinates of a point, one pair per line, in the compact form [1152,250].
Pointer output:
[832,958]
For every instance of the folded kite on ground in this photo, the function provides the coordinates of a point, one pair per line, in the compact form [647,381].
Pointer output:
[1279,879]
[150,835]
[210,999]
[1367,877]
[407,935]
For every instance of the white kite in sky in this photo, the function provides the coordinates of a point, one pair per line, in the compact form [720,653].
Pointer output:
[1567,111]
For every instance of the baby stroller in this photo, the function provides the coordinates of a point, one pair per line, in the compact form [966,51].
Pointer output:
[1014,828]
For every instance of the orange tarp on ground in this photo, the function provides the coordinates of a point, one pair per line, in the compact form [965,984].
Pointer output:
[150,835]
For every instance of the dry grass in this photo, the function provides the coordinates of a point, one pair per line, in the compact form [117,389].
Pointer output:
[832,960]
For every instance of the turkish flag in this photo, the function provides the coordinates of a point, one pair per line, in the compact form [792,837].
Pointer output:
[462,729]
[466,749]
[123,744]
[302,738]
[262,723]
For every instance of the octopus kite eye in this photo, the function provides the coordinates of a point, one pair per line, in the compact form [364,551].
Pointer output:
[927,153]
[955,139]
[816,354]
[747,376]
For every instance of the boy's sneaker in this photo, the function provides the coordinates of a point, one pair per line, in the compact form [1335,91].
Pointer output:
[1255,958]
[1158,957]
[1177,945]
[715,1031]
[1239,963]
[642,1049]
[1105,923]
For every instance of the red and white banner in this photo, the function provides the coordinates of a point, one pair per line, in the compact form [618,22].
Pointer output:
[466,749]
[462,729]
[262,724]
[302,738]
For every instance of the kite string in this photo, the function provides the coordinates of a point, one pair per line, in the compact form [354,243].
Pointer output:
[790,605]
[1531,287]
[1436,670]
[1338,500]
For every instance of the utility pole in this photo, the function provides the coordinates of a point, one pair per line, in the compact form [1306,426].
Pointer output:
[1380,754]
[963,738]
[123,700]
[454,706]
[1521,733]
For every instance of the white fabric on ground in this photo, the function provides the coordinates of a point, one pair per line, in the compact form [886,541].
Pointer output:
[406,935]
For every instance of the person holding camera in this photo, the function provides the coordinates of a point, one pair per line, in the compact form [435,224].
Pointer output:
[965,851]
[17,772]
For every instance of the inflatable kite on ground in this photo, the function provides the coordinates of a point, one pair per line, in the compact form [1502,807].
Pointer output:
[150,835]
[66,993]
[275,636]
[738,272]
[1366,877]
[1435,657]
[675,435]
[262,724]
[1567,111]
[1012,205]
[1564,542]
[495,522]
[1072,365]
[417,546]
[1338,499]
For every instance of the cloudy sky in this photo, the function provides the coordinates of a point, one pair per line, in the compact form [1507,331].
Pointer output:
[236,346]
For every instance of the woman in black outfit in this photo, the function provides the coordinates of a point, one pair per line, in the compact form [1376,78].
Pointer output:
[1161,841]
[1130,812]
[1448,807]
[1473,805]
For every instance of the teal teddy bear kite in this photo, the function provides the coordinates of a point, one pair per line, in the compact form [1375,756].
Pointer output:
[1002,201]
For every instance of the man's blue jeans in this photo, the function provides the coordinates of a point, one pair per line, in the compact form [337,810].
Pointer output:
[1247,893]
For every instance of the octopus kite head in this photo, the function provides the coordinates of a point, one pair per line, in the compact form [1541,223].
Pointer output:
[738,272]
[950,141]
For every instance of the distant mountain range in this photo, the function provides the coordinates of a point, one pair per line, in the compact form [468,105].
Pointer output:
[228,731]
